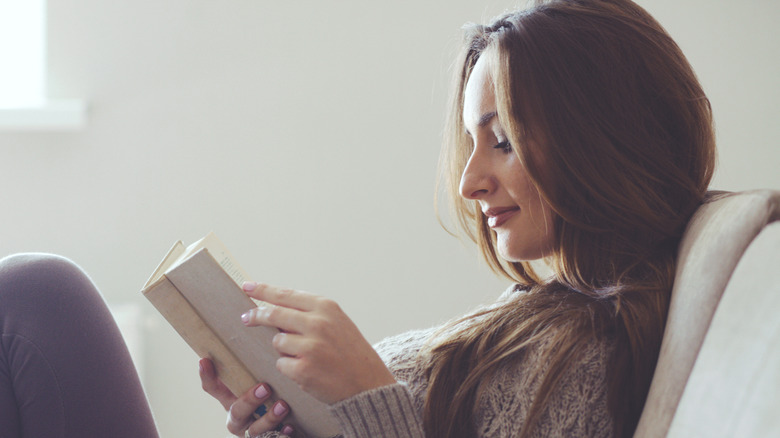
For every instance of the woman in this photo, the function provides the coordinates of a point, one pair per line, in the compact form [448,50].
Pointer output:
[579,136]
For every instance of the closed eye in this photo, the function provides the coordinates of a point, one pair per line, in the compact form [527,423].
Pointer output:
[504,146]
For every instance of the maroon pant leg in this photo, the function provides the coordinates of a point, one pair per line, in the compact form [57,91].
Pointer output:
[65,371]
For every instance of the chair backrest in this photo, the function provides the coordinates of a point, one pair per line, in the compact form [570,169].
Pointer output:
[716,238]
[734,387]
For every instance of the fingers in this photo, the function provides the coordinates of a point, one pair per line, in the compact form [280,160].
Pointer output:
[289,344]
[289,320]
[271,420]
[240,416]
[212,385]
[293,311]
[242,411]
[281,297]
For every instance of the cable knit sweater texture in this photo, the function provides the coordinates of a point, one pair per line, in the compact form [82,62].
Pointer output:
[577,408]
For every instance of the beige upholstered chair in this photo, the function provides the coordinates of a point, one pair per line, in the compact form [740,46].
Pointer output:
[718,374]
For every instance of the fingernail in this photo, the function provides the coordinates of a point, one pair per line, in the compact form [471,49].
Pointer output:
[280,409]
[287,430]
[249,286]
[261,392]
[245,317]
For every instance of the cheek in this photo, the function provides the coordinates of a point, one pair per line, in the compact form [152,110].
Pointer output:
[528,240]
[546,231]
[540,222]
[531,237]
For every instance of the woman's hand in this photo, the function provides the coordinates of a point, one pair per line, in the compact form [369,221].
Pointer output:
[240,409]
[322,349]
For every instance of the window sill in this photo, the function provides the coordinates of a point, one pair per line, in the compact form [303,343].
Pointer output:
[56,115]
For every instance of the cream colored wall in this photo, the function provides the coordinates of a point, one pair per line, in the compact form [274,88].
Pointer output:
[305,134]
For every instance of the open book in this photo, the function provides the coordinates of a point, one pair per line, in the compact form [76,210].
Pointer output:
[198,290]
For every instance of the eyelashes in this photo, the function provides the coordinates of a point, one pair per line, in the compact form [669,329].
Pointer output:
[503,146]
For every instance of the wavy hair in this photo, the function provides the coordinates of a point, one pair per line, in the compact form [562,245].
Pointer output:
[616,133]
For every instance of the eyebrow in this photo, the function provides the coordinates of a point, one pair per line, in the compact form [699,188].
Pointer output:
[484,119]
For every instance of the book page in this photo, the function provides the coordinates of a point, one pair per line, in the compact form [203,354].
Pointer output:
[178,254]
[173,255]
[219,251]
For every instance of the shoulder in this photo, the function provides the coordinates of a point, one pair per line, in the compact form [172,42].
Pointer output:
[404,349]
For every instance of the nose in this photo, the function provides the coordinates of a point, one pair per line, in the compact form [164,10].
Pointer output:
[476,180]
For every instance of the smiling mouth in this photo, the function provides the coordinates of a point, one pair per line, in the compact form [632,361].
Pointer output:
[498,216]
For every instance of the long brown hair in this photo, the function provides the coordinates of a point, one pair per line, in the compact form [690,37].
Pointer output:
[616,134]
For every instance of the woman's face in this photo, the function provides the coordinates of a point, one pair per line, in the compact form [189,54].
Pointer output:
[496,178]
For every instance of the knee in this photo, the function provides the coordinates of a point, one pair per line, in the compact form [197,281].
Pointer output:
[20,271]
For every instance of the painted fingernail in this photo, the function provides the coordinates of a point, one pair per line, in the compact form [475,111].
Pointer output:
[261,392]
[249,286]
[246,317]
[287,430]
[280,409]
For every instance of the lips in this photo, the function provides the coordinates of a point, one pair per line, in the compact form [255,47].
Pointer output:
[497,216]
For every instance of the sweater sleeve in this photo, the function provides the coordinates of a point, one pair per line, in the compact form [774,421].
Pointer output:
[387,412]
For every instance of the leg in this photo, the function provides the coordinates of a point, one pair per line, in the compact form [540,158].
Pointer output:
[64,368]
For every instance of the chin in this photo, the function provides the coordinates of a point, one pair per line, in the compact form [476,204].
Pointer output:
[517,258]
[512,255]
[520,253]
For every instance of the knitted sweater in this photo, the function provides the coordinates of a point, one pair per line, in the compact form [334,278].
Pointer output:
[577,408]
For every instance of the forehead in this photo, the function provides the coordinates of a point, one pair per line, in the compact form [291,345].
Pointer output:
[479,96]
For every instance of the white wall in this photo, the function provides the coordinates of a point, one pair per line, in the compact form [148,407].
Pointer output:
[305,134]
